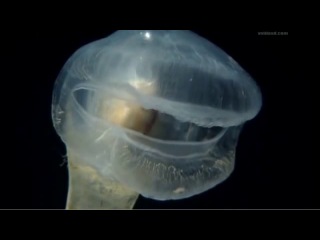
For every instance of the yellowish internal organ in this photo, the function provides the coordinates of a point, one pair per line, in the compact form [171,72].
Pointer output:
[130,115]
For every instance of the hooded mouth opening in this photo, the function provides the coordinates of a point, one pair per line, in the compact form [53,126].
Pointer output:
[149,122]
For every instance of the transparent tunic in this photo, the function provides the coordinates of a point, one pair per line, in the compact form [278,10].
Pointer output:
[158,111]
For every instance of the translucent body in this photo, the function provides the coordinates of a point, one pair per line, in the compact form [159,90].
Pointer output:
[157,111]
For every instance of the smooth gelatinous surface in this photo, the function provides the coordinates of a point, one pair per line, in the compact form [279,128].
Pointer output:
[158,111]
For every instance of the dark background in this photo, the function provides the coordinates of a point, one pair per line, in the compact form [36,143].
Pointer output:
[273,160]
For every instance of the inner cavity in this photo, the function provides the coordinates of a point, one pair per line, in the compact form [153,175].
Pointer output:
[153,123]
